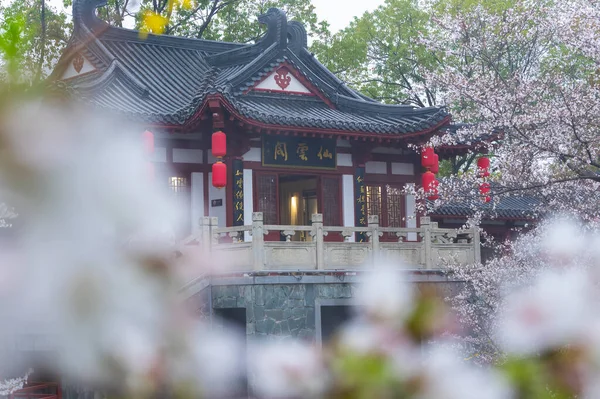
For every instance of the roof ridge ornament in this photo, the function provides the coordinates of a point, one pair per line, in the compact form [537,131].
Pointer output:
[277,27]
[85,20]
[298,38]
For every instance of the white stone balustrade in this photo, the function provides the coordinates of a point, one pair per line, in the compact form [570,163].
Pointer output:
[433,248]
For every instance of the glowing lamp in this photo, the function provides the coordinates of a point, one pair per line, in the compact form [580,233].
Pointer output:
[435,167]
[219,144]
[483,163]
[219,174]
[148,138]
[427,157]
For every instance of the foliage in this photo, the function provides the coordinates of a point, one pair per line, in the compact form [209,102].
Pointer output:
[228,20]
[34,35]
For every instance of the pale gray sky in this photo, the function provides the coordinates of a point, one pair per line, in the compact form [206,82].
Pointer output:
[338,13]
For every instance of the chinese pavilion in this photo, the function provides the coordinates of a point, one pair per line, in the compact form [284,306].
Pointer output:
[299,141]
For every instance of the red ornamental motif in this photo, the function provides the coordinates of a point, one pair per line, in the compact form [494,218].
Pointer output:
[78,63]
[282,79]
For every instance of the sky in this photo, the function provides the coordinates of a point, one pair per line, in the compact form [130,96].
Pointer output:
[338,13]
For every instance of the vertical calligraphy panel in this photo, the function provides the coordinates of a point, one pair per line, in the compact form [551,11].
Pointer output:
[237,171]
[360,211]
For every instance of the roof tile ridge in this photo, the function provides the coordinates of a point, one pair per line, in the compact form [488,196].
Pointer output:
[111,73]
[116,33]
[389,109]
[340,83]
[256,69]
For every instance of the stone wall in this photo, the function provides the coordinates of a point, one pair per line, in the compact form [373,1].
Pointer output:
[280,311]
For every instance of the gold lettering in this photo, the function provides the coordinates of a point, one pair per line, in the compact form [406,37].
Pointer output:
[361,199]
[239,195]
[301,151]
[239,206]
[362,209]
[239,172]
[362,189]
[362,221]
[359,179]
[324,154]
[281,151]
[240,218]
[239,183]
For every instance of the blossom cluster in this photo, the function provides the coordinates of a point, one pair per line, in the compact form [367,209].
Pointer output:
[524,79]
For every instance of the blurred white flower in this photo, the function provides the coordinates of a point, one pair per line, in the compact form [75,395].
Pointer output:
[553,312]
[81,266]
[384,297]
[446,376]
[11,385]
[215,362]
[563,241]
[288,370]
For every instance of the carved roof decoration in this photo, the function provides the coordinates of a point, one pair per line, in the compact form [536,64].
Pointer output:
[167,80]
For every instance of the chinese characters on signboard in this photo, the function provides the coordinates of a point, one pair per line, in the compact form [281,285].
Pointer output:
[360,206]
[238,192]
[299,152]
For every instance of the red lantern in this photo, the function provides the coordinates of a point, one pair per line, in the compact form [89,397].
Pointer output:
[427,157]
[435,167]
[483,163]
[484,189]
[219,144]
[219,174]
[430,185]
[487,199]
[148,138]
[484,173]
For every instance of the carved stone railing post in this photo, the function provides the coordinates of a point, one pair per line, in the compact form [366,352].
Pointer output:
[205,235]
[258,241]
[373,222]
[317,223]
[426,234]
[476,244]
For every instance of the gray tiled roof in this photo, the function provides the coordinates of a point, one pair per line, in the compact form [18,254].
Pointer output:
[508,207]
[165,79]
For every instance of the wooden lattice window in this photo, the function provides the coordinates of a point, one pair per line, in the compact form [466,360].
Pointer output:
[395,205]
[330,187]
[374,200]
[179,185]
[266,197]
[388,202]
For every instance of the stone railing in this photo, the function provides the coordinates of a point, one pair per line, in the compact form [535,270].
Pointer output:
[430,248]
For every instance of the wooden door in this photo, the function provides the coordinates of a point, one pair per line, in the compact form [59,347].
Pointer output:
[330,204]
[266,200]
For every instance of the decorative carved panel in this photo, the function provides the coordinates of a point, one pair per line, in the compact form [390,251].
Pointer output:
[395,206]
[374,201]
[266,197]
